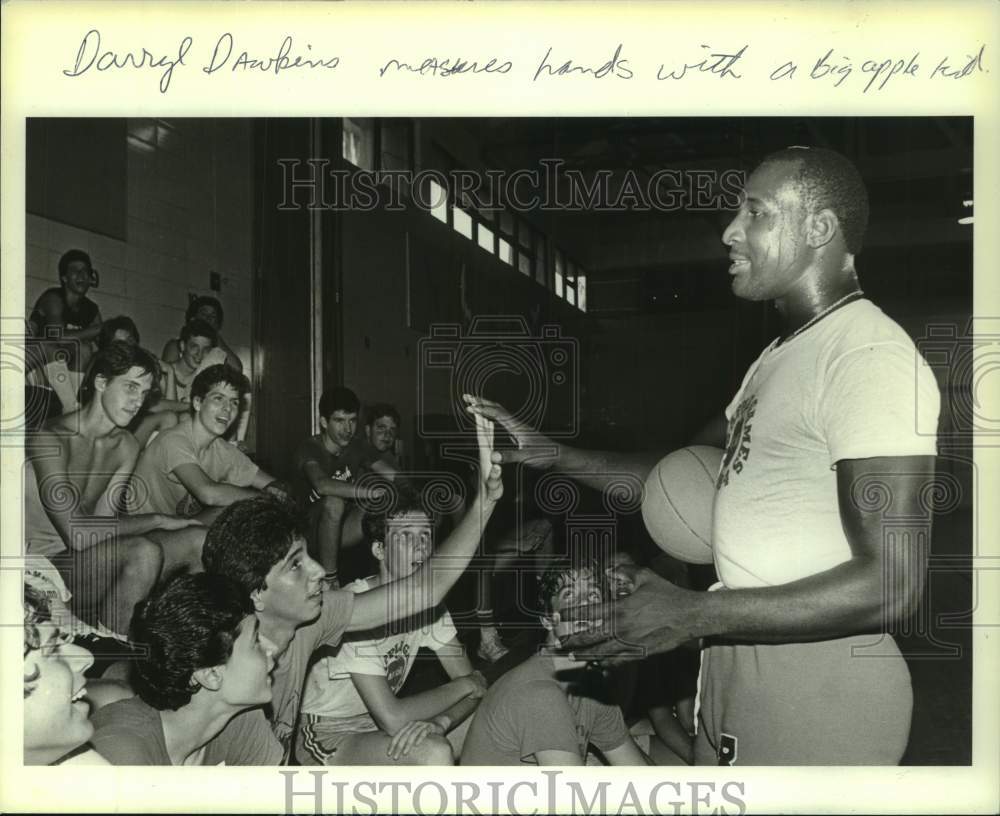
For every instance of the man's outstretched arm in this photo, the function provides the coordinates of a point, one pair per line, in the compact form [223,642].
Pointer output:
[591,468]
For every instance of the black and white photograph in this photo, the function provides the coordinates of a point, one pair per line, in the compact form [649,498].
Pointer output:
[497,443]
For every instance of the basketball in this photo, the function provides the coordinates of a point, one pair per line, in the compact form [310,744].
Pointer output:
[678,501]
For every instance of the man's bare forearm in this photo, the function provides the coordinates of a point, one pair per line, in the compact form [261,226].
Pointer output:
[597,468]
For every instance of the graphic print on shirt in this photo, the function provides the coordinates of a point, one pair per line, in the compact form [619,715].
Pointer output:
[737,441]
[394,662]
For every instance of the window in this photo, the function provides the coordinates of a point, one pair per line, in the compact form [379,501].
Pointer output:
[462,222]
[505,252]
[559,273]
[581,292]
[359,143]
[439,201]
[485,236]
[569,283]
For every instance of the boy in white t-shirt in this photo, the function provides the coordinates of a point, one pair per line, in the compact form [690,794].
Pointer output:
[351,712]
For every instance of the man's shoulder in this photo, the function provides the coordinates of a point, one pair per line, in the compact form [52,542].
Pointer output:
[166,444]
[311,449]
[860,325]
[131,714]
[51,292]
[180,434]
[536,670]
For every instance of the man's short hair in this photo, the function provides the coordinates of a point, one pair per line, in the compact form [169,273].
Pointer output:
[219,374]
[189,623]
[338,399]
[248,538]
[562,571]
[116,324]
[829,180]
[383,409]
[117,358]
[72,256]
[403,500]
[198,328]
[195,303]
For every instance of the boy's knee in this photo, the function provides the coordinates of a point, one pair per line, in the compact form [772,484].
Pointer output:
[435,750]
[143,562]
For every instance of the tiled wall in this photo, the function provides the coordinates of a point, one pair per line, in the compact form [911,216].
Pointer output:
[189,210]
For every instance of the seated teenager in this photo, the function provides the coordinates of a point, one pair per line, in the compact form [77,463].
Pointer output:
[198,350]
[56,727]
[352,714]
[537,713]
[76,477]
[382,434]
[209,310]
[204,664]
[121,328]
[328,467]
[191,469]
[66,311]
[261,545]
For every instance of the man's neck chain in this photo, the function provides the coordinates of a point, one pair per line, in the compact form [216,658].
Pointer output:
[850,297]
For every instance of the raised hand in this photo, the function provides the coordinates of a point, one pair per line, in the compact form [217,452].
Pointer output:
[530,442]
[490,483]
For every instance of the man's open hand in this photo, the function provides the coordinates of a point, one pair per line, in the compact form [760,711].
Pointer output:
[657,617]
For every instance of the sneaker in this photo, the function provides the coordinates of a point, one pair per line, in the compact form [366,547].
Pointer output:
[491,648]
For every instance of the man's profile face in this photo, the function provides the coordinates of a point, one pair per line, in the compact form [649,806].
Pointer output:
[294,586]
[339,427]
[194,349]
[383,433]
[218,409]
[767,241]
[122,397]
[77,277]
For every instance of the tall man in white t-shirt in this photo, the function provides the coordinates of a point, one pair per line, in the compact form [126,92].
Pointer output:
[839,409]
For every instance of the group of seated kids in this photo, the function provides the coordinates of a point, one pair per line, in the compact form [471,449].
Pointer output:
[238,619]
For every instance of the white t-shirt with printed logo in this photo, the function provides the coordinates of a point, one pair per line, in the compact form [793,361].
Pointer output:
[852,386]
[330,692]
